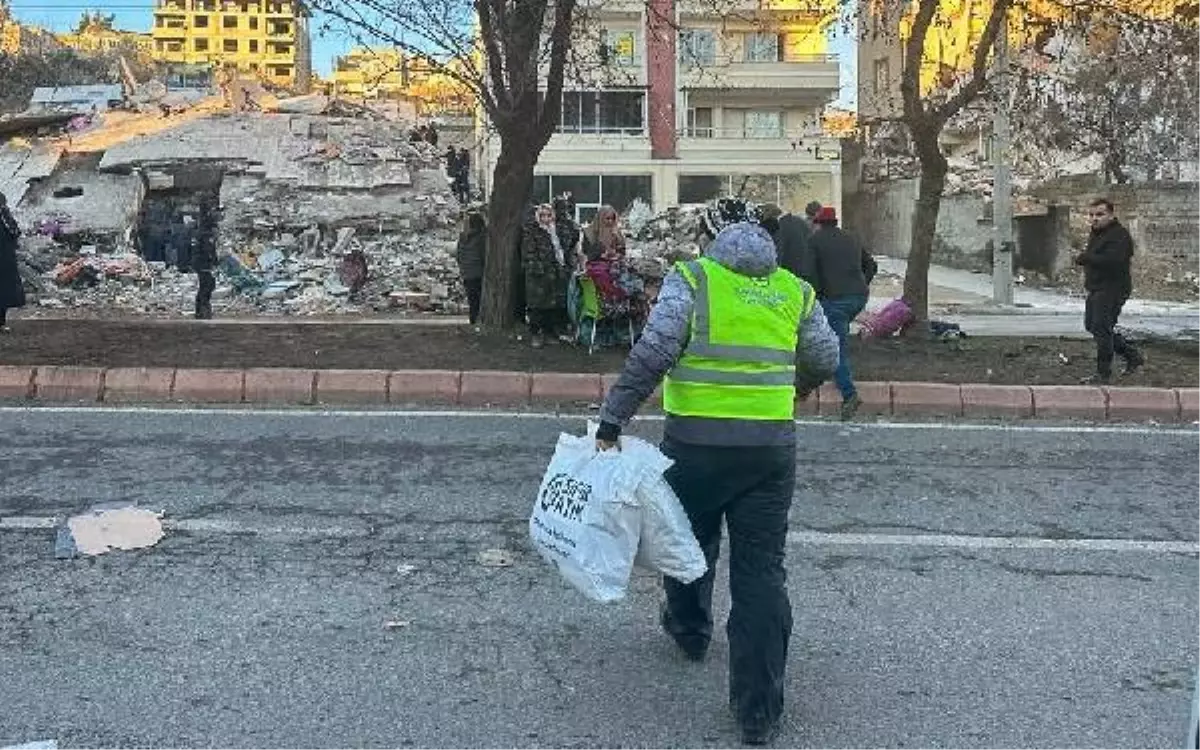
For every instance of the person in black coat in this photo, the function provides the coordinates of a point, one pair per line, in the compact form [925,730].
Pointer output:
[842,272]
[204,260]
[471,255]
[1106,262]
[12,291]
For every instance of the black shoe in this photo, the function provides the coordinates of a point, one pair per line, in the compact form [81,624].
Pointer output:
[693,647]
[758,735]
[1133,364]
[850,407]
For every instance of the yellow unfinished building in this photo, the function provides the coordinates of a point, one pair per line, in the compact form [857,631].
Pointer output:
[267,38]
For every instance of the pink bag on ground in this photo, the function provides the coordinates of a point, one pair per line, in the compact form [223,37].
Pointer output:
[887,320]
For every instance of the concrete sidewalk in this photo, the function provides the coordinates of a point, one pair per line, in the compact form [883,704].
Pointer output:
[965,298]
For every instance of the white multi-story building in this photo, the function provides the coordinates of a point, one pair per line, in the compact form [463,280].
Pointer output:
[710,105]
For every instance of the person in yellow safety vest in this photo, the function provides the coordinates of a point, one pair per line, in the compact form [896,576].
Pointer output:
[733,335]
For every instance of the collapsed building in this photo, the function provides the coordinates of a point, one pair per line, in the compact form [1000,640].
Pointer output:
[288,195]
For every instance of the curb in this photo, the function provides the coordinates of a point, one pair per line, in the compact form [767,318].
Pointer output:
[481,388]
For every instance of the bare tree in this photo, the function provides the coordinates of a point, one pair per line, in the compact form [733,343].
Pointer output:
[500,50]
[926,118]
[1123,93]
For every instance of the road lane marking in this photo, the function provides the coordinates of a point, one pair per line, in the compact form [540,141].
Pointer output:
[472,414]
[801,538]
[963,541]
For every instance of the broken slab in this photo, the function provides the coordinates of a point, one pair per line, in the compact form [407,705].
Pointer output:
[102,530]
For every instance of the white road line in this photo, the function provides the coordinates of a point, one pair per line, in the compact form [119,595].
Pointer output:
[803,538]
[961,541]
[28,522]
[470,414]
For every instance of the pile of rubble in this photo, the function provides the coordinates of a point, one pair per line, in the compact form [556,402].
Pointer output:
[318,215]
[306,274]
[656,242]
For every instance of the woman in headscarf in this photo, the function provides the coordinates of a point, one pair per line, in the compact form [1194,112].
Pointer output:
[547,271]
[12,291]
[603,237]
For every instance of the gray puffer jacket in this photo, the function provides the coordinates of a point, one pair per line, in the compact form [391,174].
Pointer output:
[748,250]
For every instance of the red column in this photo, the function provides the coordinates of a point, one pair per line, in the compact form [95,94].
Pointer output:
[660,72]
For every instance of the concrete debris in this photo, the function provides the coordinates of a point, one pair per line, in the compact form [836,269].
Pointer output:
[104,529]
[496,558]
[311,214]
[655,243]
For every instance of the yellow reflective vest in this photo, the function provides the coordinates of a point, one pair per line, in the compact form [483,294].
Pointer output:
[740,362]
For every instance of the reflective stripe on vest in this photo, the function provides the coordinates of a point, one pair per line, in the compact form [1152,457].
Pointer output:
[740,360]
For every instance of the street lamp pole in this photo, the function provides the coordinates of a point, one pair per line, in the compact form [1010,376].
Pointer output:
[1002,208]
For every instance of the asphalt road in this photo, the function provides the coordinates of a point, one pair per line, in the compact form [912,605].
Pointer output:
[952,587]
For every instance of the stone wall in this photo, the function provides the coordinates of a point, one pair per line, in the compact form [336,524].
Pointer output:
[1164,219]
[880,214]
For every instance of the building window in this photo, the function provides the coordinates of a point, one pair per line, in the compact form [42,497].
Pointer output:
[618,48]
[174,46]
[882,74]
[698,47]
[229,22]
[764,124]
[254,46]
[230,45]
[603,112]
[761,48]
[201,45]
[280,29]
[701,188]
[254,22]
[590,192]
[700,122]
[200,22]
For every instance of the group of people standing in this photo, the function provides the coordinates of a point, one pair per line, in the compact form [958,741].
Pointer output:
[458,169]
[836,265]
[561,263]
[578,282]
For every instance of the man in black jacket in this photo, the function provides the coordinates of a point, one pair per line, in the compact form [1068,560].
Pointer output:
[791,235]
[842,272]
[204,259]
[1106,262]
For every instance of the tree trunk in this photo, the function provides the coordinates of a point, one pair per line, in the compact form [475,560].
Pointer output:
[512,182]
[924,227]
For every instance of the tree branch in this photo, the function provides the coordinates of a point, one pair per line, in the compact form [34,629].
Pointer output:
[969,91]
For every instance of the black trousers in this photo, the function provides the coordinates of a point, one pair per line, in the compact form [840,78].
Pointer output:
[750,488]
[1100,319]
[474,297]
[208,283]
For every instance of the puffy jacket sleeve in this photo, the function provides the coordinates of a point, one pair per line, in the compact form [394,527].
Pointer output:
[817,353]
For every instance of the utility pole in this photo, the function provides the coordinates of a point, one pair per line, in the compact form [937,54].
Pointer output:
[1002,208]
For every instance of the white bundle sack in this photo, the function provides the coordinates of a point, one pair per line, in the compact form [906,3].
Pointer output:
[586,520]
[597,511]
[668,545]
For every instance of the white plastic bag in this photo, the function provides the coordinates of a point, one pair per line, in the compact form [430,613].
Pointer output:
[597,511]
[586,520]
[667,544]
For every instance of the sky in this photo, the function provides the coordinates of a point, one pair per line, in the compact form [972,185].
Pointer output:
[136,15]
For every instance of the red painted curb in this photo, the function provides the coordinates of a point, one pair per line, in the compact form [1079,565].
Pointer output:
[521,389]
[209,386]
[352,387]
[563,387]
[16,381]
[69,383]
[280,386]
[1158,404]
[138,384]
